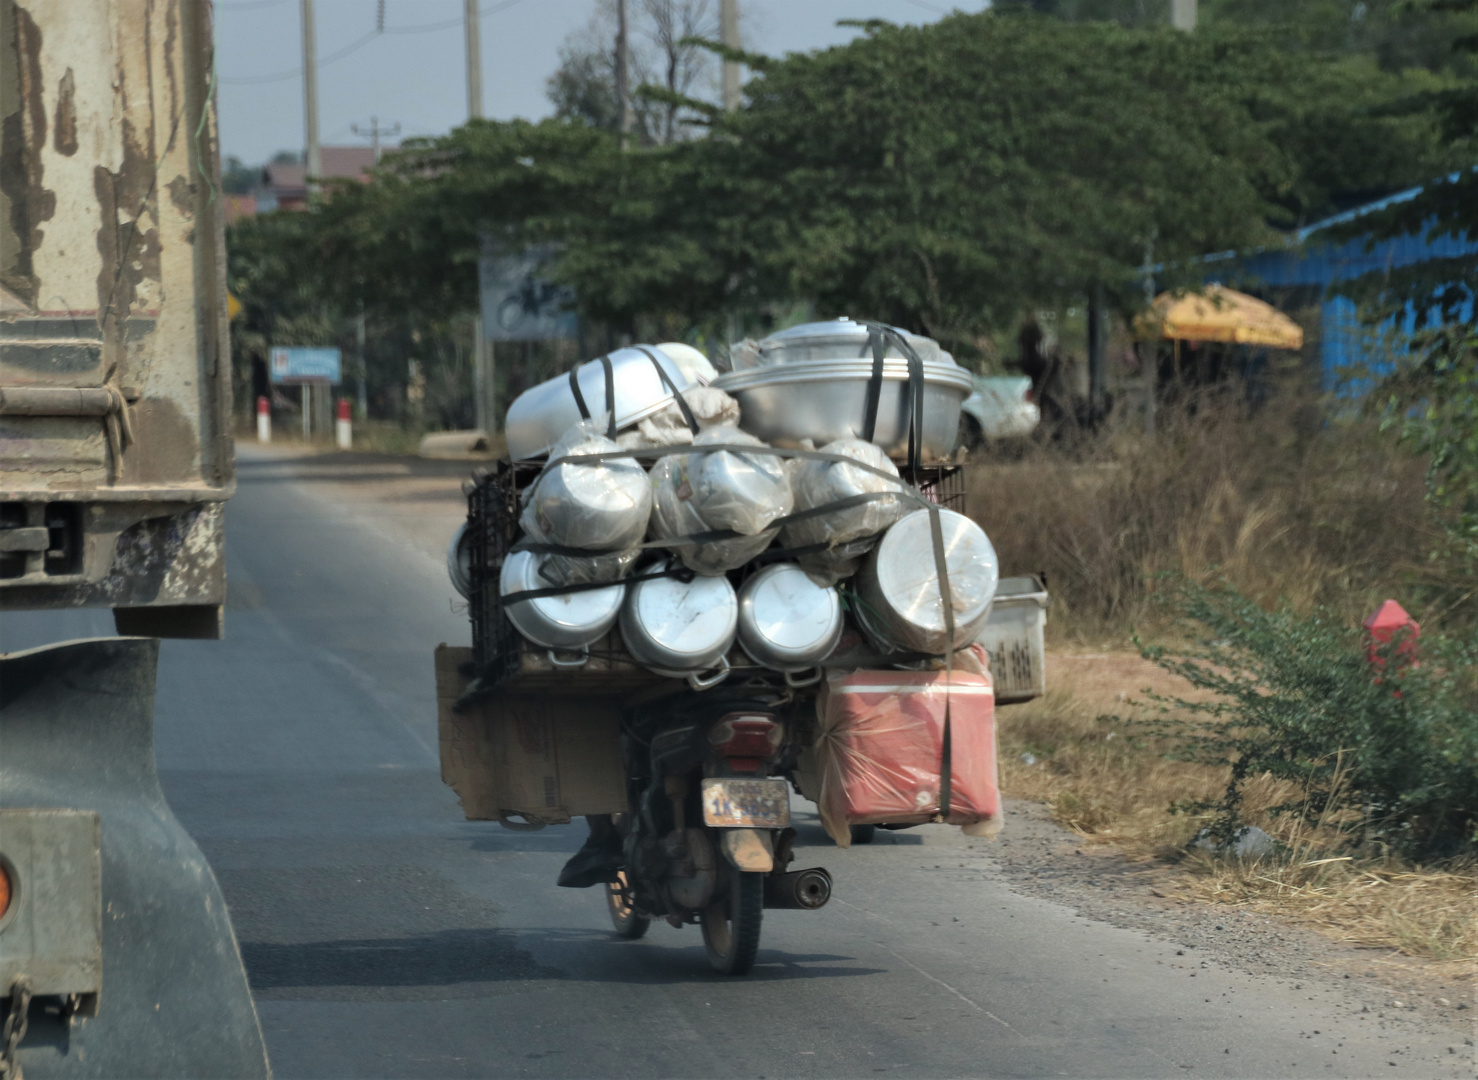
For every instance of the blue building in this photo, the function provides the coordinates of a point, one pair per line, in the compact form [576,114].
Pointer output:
[1300,276]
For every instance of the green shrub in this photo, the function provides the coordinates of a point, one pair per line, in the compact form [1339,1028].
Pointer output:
[1387,752]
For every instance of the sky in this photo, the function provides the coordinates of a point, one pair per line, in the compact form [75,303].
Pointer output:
[414,74]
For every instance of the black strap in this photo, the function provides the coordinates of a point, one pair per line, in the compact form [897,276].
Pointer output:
[682,573]
[655,452]
[579,396]
[711,536]
[874,383]
[610,374]
[941,567]
[879,335]
[677,394]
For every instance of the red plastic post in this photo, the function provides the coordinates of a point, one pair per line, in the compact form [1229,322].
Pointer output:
[343,413]
[264,407]
[1383,626]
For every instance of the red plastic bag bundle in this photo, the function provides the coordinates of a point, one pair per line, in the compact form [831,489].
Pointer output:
[881,744]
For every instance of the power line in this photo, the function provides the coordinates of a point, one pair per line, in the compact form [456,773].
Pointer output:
[359,43]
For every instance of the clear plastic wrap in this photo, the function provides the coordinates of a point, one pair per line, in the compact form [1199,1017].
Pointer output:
[700,492]
[690,361]
[879,750]
[710,406]
[850,533]
[601,507]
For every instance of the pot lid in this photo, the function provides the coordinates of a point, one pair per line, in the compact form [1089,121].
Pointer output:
[686,618]
[907,578]
[786,609]
[841,339]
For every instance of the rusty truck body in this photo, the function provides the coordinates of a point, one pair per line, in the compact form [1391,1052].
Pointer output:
[117,955]
[115,395]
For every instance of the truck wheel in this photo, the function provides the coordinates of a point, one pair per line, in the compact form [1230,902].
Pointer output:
[731,924]
[863,834]
[628,922]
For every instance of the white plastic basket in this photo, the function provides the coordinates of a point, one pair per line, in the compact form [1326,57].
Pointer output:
[1013,636]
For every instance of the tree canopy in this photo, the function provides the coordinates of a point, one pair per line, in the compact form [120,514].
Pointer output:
[943,177]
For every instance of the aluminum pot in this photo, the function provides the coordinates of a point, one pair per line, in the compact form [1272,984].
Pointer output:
[786,620]
[681,629]
[599,507]
[898,587]
[459,561]
[567,622]
[540,416]
[826,400]
[836,339]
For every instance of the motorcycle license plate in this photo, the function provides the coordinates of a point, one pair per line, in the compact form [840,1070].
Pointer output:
[741,804]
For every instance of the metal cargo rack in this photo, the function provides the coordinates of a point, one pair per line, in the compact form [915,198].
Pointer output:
[502,658]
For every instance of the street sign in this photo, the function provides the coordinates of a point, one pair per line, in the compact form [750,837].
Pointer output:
[518,304]
[295,366]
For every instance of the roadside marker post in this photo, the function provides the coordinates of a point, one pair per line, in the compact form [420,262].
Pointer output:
[343,429]
[264,420]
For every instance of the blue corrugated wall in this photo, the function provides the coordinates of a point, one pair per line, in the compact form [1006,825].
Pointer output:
[1345,341]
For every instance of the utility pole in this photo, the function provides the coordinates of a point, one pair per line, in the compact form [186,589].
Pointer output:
[1183,14]
[1097,353]
[729,34]
[1149,346]
[623,75]
[474,62]
[312,160]
[373,133]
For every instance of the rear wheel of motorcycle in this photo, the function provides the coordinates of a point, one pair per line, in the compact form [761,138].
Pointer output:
[628,922]
[731,923]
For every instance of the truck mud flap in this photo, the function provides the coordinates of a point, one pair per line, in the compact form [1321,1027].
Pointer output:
[164,974]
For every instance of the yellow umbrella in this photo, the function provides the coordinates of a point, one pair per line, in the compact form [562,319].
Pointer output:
[1220,314]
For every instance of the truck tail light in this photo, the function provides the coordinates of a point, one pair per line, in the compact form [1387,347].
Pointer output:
[746,739]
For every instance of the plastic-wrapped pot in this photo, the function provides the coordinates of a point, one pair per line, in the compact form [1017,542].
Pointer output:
[850,533]
[700,492]
[600,507]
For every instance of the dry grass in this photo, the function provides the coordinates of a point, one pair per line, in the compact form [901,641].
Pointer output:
[1383,904]
[1287,506]
[1114,788]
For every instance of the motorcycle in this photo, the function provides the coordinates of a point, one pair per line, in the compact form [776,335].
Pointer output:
[707,836]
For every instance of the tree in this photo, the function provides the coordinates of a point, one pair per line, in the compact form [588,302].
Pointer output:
[663,54]
[238,178]
[1431,397]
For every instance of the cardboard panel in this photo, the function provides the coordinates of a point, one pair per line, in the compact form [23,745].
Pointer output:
[546,758]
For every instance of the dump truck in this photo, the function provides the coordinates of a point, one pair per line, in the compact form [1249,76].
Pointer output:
[117,956]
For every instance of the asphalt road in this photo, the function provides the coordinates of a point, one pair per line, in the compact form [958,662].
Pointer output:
[384,936]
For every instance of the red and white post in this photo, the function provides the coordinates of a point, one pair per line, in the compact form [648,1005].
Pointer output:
[264,420]
[343,429]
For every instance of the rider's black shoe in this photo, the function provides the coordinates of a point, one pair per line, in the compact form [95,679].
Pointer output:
[598,858]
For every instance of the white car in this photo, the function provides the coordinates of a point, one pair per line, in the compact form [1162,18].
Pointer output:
[1000,408]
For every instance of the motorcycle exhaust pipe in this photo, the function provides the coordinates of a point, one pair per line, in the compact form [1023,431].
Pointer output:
[806,890]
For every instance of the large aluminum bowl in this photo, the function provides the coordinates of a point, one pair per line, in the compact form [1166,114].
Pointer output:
[825,400]
[540,416]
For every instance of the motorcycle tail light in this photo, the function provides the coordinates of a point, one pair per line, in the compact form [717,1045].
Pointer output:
[747,736]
